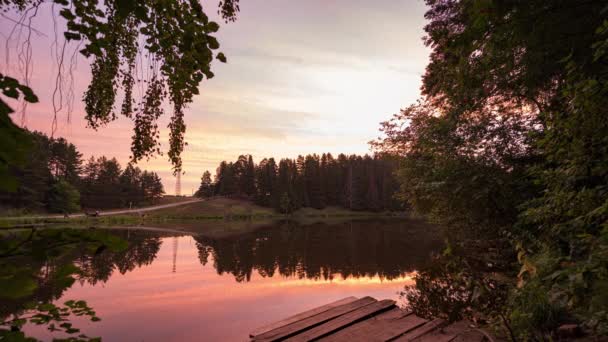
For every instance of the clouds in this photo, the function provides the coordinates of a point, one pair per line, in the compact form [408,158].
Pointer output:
[302,77]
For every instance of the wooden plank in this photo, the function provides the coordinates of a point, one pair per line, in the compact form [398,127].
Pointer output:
[310,322]
[470,336]
[382,327]
[301,316]
[422,330]
[343,321]
[445,334]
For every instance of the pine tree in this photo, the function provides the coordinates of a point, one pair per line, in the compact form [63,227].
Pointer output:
[372,196]
[152,186]
[130,186]
[226,179]
[249,177]
[300,183]
[63,198]
[206,188]
[65,162]
[312,176]
[34,178]
[266,182]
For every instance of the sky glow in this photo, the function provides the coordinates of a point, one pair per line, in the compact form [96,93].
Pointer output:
[302,77]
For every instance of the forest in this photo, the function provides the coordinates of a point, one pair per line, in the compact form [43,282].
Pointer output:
[353,182]
[56,179]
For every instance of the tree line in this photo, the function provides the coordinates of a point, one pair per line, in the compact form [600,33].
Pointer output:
[56,179]
[353,182]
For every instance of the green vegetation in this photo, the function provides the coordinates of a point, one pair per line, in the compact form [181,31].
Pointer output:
[236,209]
[63,198]
[55,180]
[216,208]
[176,37]
[510,145]
[31,277]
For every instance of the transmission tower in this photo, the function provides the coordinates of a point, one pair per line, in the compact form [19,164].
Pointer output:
[178,184]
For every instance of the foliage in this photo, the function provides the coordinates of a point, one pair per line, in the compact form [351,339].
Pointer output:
[63,198]
[106,185]
[54,178]
[449,166]
[179,43]
[285,205]
[510,141]
[14,141]
[38,266]
[33,177]
[52,316]
[206,189]
[453,289]
[28,292]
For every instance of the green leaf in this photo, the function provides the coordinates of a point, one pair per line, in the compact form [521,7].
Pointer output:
[212,27]
[66,13]
[71,35]
[46,307]
[213,43]
[221,57]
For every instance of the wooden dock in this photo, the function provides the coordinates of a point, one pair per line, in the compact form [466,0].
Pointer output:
[365,319]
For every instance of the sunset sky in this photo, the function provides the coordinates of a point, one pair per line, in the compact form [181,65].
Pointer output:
[302,77]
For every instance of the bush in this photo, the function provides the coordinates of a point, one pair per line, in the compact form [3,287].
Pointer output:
[63,198]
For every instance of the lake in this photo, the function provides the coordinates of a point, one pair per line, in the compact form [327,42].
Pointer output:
[209,281]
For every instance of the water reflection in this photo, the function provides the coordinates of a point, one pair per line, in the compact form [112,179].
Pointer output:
[387,249]
[247,277]
[52,260]
[466,281]
[141,251]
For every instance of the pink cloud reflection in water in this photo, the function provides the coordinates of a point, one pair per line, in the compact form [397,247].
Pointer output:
[152,303]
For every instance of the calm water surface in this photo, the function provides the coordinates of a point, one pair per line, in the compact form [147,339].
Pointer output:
[217,283]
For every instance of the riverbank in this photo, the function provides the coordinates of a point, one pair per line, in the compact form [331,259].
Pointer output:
[234,209]
[211,209]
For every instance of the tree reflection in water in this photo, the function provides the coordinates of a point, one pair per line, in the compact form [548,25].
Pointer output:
[466,281]
[385,248]
[38,266]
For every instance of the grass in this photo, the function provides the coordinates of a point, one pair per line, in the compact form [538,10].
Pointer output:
[217,208]
[228,208]
[26,222]
[213,209]
[6,212]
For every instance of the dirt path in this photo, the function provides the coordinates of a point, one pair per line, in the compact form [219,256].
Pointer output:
[110,212]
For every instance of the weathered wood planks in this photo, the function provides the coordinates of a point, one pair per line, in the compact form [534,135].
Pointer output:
[312,321]
[301,316]
[383,327]
[366,319]
[422,330]
[343,321]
